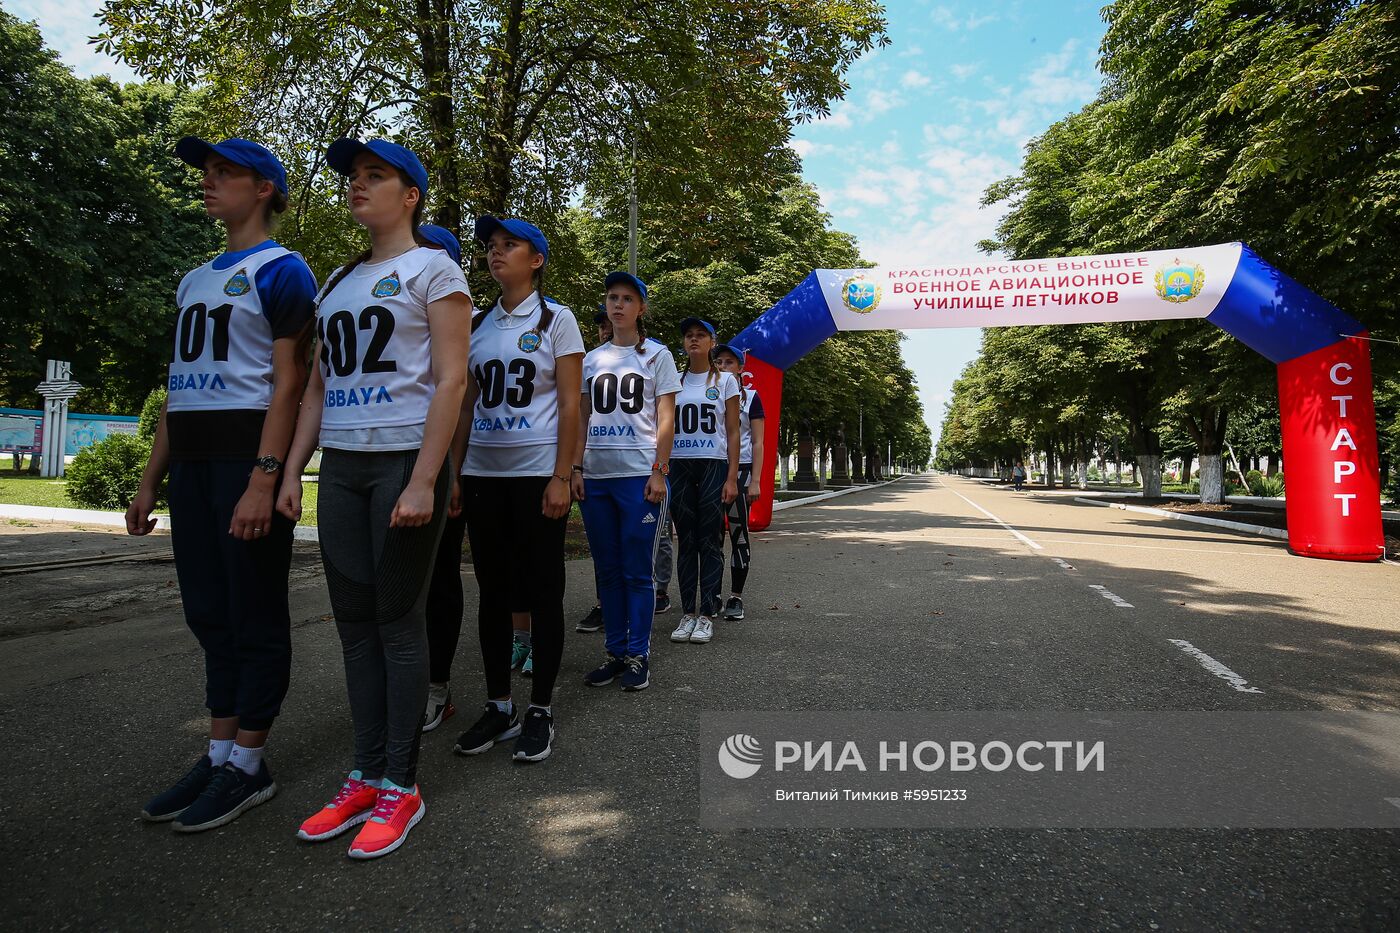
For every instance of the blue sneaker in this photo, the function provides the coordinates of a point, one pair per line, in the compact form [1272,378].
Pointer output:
[637,676]
[528,668]
[602,676]
[519,651]
[229,794]
[171,803]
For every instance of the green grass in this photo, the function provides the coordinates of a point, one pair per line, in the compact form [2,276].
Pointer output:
[34,490]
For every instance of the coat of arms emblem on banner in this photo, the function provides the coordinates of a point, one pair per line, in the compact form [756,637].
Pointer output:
[1179,282]
[860,295]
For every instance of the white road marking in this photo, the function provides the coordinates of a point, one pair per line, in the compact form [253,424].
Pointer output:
[1118,601]
[1063,563]
[1215,667]
[1022,538]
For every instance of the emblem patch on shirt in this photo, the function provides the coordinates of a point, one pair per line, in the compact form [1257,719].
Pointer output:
[238,284]
[712,393]
[388,286]
[530,341]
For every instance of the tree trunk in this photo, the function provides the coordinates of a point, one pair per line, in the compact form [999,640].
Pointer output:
[1083,475]
[1186,468]
[1273,462]
[435,38]
[1212,479]
[783,471]
[1150,468]
[1049,468]
[821,465]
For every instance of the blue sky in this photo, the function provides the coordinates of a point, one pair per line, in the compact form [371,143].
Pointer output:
[928,123]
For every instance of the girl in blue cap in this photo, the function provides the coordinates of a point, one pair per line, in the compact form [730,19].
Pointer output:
[383,401]
[704,478]
[620,468]
[731,360]
[519,430]
[241,334]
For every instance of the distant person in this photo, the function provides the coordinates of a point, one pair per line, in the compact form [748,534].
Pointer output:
[1018,476]
[731,360]
[620,469]
[244,325]
[704,478]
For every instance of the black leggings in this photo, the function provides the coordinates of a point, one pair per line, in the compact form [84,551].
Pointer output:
[697,509]
[445,601]
[518,555]
[378,581]
[739,532]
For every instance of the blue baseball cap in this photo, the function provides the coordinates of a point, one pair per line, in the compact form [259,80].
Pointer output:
[690,322]
[521,229]
[726,347]
[341,157]
[194,151]
[626,278]
[444,238]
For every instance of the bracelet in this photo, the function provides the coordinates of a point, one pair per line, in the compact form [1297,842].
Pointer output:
[562,479]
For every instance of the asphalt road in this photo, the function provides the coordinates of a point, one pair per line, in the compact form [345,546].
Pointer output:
[935,593]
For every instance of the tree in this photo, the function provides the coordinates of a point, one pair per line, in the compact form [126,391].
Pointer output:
[100,222]
[516,105]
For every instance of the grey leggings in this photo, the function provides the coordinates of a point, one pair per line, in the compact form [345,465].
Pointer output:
[378,581]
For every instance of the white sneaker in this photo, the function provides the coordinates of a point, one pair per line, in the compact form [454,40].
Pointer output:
[704,631]
[686,627]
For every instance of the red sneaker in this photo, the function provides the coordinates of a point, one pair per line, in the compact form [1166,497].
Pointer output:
[395,813]
[351,806]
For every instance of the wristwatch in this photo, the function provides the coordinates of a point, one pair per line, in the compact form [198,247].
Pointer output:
[662,466]
[578,468]
[268,464]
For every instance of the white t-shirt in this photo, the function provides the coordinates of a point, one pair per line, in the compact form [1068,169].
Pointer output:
[231,367]
[622,387]
[700,407]
[515,424]
[749,408]
[375,349]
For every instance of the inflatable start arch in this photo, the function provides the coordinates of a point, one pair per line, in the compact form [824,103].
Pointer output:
[1324,364]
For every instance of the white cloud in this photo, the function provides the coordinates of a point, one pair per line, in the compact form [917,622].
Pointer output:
[963,72]
[1064,77]
[914,79]
[66,27]
[944,18]
[880,101]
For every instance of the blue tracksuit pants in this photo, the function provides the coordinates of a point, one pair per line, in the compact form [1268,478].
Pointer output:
[623,529]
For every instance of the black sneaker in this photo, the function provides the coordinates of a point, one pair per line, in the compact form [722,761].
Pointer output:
[591,622]
[493,726]
[606,674]
[231,792]
[733,609]
[638,674]
[536,736]
[171,803]
[663,602]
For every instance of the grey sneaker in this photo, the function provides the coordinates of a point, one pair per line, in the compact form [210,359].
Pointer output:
[704,631]
[733,609]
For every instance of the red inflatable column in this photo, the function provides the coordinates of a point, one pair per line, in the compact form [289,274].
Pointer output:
[1330,462]
[768,382]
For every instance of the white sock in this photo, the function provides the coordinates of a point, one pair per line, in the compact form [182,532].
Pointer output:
[437,693]
[219,750]
[548,709]
[246,759]
[504,706]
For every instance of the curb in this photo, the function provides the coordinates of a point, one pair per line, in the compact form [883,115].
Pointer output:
[794,503]
[43,513]
[1260,530]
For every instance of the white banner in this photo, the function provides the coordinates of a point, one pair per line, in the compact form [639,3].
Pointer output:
[1146,286]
